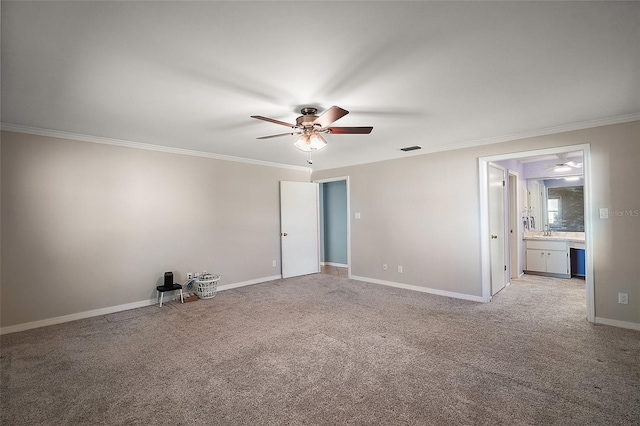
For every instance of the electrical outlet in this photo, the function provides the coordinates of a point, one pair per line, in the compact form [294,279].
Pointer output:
[384,267]
[274,263]
[189,275]
[399,269]
[623,298]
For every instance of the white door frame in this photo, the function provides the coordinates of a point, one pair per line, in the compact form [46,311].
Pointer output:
[485,244]
[513,224]
[337,179]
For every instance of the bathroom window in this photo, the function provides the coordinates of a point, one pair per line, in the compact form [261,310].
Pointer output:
[553,212]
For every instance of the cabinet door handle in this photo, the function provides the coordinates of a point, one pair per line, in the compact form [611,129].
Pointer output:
[494,237]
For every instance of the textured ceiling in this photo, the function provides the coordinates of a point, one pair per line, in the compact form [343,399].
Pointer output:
[440,75]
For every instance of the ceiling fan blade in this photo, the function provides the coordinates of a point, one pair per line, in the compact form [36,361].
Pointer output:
[271,120]
[350,130]
[329,116]
[277,136]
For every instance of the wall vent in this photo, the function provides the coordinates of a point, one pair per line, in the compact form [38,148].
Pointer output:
[410,148]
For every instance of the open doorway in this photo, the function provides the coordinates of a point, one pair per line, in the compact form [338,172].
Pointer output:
[334,215]
[535,214]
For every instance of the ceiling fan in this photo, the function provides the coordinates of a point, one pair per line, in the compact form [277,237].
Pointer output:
[310,127]
[564,166]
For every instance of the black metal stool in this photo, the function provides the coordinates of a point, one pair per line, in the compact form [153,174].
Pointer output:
[168,286]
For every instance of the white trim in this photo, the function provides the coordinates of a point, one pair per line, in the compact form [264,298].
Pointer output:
[485,243]
[616,323]
[513,198]
[140,145]
[337,265]
[420,289]
[588,217]
[588,236]
[549,131]
[425,150]
[76,316]
[250,282]
[512,137]
[333,179]
[114,309]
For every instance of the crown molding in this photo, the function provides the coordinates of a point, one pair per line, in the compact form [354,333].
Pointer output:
[140,145]
[582,125]
[546,131]
[425,150]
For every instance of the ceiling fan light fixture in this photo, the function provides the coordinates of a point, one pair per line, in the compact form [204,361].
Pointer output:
[561,169]
[317,142]
[303,143]
[310,142]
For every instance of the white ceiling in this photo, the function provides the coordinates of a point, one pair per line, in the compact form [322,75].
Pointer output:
[437,74]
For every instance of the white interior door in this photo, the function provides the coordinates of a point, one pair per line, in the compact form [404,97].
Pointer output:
[497,228]
[299,228]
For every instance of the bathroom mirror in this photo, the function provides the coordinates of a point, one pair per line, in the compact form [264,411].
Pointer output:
[556,204]
[565,208]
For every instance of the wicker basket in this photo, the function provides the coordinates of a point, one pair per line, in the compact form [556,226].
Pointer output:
[206,287]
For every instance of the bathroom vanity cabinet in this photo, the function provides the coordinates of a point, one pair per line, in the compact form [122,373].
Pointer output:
[548,258]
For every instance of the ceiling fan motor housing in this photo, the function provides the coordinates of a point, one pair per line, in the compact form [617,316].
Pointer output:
[307,118]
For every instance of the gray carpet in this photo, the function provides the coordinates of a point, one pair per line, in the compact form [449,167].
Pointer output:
[325,350]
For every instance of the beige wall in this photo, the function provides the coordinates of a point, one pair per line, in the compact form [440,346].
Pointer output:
[88,226]
[422,212]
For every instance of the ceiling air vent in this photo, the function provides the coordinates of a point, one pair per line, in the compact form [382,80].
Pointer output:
[410,148]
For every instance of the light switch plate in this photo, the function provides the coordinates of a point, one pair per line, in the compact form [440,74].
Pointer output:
[357,215]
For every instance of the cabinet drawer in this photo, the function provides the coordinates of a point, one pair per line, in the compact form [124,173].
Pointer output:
[547,245]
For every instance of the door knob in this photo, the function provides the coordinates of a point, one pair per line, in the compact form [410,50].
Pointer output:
[494,237]
[284,234]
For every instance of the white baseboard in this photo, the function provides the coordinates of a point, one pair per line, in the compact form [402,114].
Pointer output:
[113,309]
[421,289]
[337,265]
[616,323]
[250,282]
[73,317]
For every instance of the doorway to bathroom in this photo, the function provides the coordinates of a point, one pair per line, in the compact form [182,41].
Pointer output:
[532,211]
